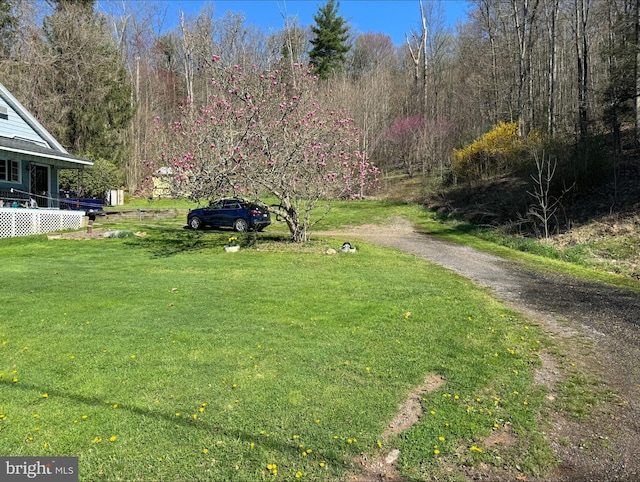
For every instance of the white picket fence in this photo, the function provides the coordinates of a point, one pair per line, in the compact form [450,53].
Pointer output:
[24,222]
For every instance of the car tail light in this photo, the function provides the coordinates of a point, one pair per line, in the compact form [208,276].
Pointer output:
[255,211]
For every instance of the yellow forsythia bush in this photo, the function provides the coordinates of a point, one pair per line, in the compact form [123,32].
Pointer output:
[494,153]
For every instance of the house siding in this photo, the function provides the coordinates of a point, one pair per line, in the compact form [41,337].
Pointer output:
[12,125]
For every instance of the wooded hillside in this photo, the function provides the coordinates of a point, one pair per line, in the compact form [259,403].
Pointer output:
[562,73]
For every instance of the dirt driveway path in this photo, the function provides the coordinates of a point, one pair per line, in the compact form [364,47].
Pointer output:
[596,327]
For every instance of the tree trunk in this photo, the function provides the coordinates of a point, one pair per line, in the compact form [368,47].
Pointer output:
[524,16]
[552,70]
[637,72]
[581,45]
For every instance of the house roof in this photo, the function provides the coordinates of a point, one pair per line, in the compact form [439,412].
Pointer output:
[43,145]
[23,146]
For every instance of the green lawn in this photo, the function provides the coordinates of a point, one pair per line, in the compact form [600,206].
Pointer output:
[165,358]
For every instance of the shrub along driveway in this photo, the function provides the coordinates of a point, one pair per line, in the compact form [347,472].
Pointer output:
[593,379]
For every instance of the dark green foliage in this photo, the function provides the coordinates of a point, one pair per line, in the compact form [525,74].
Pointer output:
[8,26]
[88,82]
[620,90]
[330,43]
[60,4]
[96,180]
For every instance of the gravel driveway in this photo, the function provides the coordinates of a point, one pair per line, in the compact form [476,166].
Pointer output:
[596,327]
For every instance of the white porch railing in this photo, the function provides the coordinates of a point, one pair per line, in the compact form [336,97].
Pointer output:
[24,222]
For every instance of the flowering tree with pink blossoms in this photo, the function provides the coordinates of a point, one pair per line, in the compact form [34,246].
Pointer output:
[267,133]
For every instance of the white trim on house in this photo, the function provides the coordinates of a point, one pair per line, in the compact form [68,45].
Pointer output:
[30,120]
[53,156]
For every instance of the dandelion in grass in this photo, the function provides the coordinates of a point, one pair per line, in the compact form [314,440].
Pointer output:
[15,379]
[113,438]
[115,405]
[177,414]
[205,451]
[441,439]
[317,420]
[45,395]
[436,451]
[201,409]
[475,449]
[97,440]
[298,474]
[322,464]
[73,357]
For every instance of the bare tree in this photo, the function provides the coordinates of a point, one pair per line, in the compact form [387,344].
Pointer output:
[545,206]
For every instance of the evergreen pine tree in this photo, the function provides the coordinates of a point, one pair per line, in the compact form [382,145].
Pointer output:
[330,43]
[88,81]
[8,26]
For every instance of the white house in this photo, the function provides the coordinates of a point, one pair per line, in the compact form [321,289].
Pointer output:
[30,159]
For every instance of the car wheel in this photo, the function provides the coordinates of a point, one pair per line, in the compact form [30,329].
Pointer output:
[240,225]
[195,222]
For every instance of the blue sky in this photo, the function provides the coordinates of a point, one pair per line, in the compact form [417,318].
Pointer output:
[392,17]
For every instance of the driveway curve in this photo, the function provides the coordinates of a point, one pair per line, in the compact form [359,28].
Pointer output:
[596,326]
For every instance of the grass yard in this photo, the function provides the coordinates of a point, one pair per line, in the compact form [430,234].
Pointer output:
[165,358]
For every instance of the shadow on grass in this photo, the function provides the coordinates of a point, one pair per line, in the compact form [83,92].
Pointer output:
[183,421]
[162,242]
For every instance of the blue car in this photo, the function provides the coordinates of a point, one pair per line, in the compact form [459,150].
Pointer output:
[238,214]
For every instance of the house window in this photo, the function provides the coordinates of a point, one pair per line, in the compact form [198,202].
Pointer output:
[9,171]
